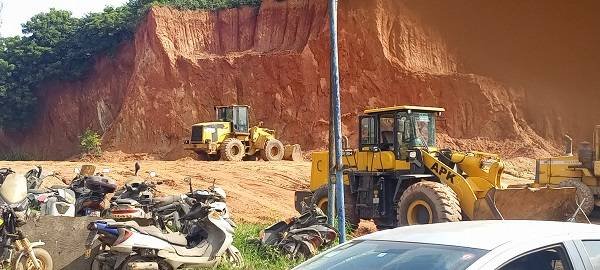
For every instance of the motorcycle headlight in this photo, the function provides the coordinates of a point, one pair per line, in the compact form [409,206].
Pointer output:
[412,154]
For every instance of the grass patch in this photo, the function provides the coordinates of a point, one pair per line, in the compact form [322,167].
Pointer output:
[257,257]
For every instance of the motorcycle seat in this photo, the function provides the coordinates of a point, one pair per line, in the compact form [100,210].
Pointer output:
[173,238]
[127,201]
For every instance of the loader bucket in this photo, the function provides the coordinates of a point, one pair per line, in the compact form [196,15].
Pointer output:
[545,203]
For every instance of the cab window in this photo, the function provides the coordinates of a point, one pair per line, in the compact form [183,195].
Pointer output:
[386,133]
[549,258]
[367,131]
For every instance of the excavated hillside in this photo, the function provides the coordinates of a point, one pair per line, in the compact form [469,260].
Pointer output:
[501,94]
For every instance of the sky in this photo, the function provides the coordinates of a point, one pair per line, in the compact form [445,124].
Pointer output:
[16,12]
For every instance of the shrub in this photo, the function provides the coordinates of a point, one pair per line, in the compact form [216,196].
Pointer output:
[90,142]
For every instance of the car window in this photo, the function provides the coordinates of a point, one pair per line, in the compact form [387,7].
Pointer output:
[549,258]
[593,251]
[391,255]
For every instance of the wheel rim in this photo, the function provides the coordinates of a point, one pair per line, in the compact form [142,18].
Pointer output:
[323,204]
[419,212]
[235,150]
[31,266]
[274,151]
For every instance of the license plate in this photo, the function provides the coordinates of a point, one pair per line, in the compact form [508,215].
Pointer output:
[92,213]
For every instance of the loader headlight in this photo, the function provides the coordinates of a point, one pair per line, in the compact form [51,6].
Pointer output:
[412,154]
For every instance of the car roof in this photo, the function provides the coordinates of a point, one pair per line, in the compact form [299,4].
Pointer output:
[486,235]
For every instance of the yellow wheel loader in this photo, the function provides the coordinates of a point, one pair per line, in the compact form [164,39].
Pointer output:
[581,171]
[230,138]
[398,176]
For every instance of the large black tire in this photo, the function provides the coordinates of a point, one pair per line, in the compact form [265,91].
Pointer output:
[232,149]
[43,257]
[583,192]
[273,151]
[428,202]
[320,199]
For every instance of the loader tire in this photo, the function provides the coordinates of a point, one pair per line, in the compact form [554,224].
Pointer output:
[273,151]
[583,192]
[320,199]
[428,202]
[232,149]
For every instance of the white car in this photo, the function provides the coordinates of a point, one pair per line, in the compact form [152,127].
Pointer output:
[492,244]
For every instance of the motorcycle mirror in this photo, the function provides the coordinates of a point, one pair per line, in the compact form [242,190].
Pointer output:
[189,181]
[152,174]
[77,170]
[106,170]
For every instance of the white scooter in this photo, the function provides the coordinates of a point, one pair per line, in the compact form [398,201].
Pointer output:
[207,244]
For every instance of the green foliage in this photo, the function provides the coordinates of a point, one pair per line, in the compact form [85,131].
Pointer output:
[58,47]
[257,257]
[208,4]
[90,142]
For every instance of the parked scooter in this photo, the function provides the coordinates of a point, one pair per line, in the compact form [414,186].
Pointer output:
[168,210]
[90,191]
[134,200]
[301,236]
[208,242]
[49,201]
[16,251]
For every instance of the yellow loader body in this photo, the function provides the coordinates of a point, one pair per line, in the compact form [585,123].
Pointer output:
[397,176]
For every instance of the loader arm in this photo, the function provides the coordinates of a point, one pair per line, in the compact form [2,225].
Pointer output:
[480,195]
[468,190]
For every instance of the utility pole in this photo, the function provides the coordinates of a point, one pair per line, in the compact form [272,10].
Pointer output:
[336,125]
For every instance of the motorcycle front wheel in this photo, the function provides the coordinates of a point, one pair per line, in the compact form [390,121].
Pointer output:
[233,257]
[26,262]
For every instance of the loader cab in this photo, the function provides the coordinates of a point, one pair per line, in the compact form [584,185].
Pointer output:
[398,129]
[237,115]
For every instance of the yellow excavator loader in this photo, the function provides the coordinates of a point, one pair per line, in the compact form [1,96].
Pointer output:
[398,176]
[231,138]
[581,171]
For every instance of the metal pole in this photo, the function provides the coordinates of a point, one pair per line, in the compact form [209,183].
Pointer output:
[331,184]
[337,124]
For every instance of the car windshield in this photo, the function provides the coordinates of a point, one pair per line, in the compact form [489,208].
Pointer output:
[389,255]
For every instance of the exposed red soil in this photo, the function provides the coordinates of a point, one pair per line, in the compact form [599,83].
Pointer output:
[276,59]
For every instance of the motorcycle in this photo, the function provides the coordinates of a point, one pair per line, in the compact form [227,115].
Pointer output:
[90,191]
[16,251]
[52,201]
[167,210]
[206,244]
[134,200]
[301,236]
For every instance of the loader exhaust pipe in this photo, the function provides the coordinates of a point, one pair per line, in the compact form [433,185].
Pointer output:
[568,145]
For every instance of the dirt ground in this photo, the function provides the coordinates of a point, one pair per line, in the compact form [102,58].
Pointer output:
[258,192]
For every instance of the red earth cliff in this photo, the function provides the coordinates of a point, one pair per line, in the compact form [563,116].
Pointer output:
[276,59]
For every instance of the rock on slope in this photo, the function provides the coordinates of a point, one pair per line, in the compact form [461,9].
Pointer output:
[276,59]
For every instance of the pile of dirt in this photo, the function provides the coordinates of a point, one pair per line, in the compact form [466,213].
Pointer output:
[276,59]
